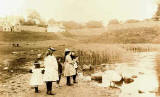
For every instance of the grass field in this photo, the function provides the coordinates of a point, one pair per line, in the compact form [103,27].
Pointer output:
[96,53]
[91,49]
[88,31]
[27,36]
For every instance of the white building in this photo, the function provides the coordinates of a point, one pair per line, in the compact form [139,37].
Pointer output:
[6,27]
[10,24]
[16,28]
[56,28]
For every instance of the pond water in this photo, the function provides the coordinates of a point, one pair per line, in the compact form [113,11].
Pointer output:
[146,83]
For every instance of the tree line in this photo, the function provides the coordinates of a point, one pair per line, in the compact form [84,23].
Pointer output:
[34,18]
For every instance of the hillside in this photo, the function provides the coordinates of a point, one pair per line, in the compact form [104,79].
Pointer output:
[88,31]
[26,36]
[140,32]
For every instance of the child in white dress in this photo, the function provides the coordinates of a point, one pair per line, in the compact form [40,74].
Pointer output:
[37,76]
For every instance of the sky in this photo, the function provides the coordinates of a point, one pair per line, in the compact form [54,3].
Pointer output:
[82,10]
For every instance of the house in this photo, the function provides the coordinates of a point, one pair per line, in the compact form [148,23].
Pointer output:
[10,24]
[6,27]
[56,28]
[16,28]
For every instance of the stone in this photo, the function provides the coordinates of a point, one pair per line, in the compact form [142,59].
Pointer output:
[18,83]
[12,81]
[134,76]
[11,71]
[97,77]
[14,91]
[5,68]
[139,91]
[128,80]
[12,88]
[141,73]
[14,52]
[4,85]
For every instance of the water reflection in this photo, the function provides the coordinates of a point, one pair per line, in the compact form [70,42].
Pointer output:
[146,83]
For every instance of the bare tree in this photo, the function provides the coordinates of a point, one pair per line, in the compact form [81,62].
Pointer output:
[156,17]
[22,20]
[33,15]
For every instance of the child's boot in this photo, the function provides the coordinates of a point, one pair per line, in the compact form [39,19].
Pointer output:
[36,89]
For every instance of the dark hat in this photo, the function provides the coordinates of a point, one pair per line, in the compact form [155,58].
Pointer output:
[52,49]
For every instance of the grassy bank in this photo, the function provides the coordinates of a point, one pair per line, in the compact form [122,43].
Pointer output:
[141,47]
[32,44]
[27,36]
[140,32]
[96,54]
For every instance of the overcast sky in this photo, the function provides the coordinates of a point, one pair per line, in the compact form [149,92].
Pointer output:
[82,10]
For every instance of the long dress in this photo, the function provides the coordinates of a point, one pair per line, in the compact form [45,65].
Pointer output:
[37,77]
[69,69]
[51,69]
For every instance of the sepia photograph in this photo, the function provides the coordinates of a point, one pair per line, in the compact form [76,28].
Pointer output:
[79,48]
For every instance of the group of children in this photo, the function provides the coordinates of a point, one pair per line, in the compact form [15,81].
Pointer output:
[50,69]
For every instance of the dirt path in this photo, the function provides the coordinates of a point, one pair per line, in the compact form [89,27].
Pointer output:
[19,87]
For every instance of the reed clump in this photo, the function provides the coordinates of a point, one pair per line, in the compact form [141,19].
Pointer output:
[140,47]
[96,54]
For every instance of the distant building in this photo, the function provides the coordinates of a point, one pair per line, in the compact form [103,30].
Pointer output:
[6,27]
[16,28]
[56,28]
[10,24]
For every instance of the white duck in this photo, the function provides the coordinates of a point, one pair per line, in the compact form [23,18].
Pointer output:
[112,77]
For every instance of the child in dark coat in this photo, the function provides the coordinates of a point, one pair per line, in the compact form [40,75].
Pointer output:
[59,60]
[75,65]
[75,60]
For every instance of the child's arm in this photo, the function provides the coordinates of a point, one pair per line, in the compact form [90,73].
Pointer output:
[31,70]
